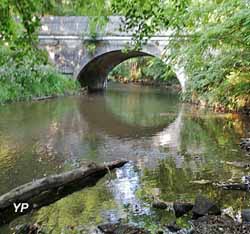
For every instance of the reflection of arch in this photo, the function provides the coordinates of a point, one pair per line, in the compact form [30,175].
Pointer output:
[94,69]
[108,122]
[171,135]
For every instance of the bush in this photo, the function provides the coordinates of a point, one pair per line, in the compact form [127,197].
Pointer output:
[145,68]
[26,75]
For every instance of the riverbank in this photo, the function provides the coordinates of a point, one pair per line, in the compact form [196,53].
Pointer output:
[34,83]
[217,107]
[148,82]
[230,93]
[26,74]
[196,100]
[210,220]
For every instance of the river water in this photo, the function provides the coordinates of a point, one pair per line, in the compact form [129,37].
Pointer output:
[176,151]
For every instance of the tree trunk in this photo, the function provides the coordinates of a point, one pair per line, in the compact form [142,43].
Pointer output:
[47,190]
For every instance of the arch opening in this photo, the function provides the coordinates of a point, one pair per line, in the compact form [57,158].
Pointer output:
[94,73]
[149,71]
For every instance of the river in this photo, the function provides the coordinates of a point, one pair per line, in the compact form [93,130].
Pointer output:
[176,151]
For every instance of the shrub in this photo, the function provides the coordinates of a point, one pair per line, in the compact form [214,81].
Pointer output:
[24,76]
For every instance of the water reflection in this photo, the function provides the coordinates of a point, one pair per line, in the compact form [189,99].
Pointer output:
[171,135]
[129,113]
[171,145]
[124,188]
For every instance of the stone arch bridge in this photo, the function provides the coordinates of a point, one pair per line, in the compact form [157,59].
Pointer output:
[90,59]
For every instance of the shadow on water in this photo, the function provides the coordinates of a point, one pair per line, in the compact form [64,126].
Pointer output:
[172,148]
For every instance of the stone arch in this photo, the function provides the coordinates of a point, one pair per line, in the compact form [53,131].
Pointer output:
[95,68]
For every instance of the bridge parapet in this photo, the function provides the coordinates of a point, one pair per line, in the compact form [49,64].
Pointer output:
[79,26]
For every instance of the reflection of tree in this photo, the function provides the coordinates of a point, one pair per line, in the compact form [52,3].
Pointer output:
[206,143]
[7,160]
[177,184]
[39,136]
[83,208]
[142,107]
[214,138]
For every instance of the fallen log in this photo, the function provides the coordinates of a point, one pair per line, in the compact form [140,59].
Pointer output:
[45,191]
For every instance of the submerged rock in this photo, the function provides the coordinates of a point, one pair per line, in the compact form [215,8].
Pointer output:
[231,213]
[172,227]
[204,206]
[245,144]
[117,228]
[245,179]
[181,208]
[27,229]
[245,214]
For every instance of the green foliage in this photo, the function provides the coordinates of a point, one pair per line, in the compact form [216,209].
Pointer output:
[210,39]
[24,68]
[76,213]
[147,17]
[145,68]
[23,78]
[157,70]
[19,21]
[91,47]
[96,24]
[122,70]
[96,10]
[79,7]
[218,51]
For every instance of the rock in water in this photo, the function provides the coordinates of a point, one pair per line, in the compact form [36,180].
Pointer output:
[203,206]
[245,144]
[27,229]
[245,214]
[182,208]
[172,227]
[159,205]
[117,228]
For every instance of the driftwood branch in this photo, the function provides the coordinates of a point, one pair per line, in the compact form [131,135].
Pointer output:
[47,190]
